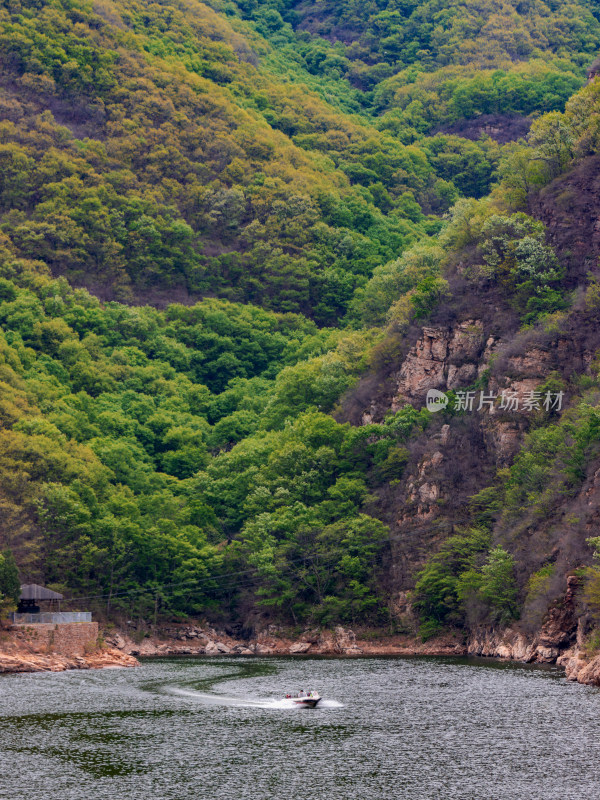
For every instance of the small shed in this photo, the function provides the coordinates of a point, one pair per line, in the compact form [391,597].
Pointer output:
[32,595]
[594,69]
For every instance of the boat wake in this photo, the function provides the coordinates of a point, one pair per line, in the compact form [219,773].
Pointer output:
[208,698]
[289,703]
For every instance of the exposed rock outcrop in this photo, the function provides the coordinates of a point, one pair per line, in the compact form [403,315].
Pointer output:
[560,626]
[443,358]
[582,671]
[508,644]
[278,641]
[501,127]
[560,640]
[513,645]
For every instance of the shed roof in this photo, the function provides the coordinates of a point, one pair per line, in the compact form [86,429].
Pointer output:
[31,591]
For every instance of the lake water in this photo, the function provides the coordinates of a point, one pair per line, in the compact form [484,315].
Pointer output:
[174,729]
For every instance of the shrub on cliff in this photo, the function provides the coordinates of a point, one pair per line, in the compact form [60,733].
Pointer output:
[516,257]
[463,585]
[592,581]
[490,593]
[436,596]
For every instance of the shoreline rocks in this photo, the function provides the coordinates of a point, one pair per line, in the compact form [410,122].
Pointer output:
[277,642]
[54,662]
[55,647]
[553,644]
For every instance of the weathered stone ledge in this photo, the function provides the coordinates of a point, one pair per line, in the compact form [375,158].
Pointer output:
[22,652]
[561,640]
[514,646]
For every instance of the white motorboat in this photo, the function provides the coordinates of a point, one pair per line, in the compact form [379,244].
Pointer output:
[305,699]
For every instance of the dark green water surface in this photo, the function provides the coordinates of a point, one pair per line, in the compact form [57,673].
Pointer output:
[216,728]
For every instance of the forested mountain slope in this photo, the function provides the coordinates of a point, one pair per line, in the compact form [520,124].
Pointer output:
[439,61]
[172,147]
[145,148]
[235,255]
[505,492]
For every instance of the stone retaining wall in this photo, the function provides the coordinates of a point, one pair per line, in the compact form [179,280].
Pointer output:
[67,639]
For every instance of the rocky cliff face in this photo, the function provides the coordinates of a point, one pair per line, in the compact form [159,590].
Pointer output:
[452,460]
[443,358]
[561,634]
[474,343]
[455,458]
[562,640]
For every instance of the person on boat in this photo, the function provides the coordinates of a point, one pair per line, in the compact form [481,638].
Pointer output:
[301,693]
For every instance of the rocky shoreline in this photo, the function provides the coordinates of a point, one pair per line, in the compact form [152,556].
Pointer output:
[561,640]
[19,661]
[56,648]
[121,650]
[549,646]
[511,645]
[206,641]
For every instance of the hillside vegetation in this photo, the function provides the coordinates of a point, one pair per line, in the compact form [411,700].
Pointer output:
[219,222]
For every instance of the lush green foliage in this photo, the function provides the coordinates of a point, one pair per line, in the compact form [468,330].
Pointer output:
[158,148]
[166,159]
[464,582]
[135,443]
[432,63]
[433,33]
[506,251]
[292,499]
[187,459]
